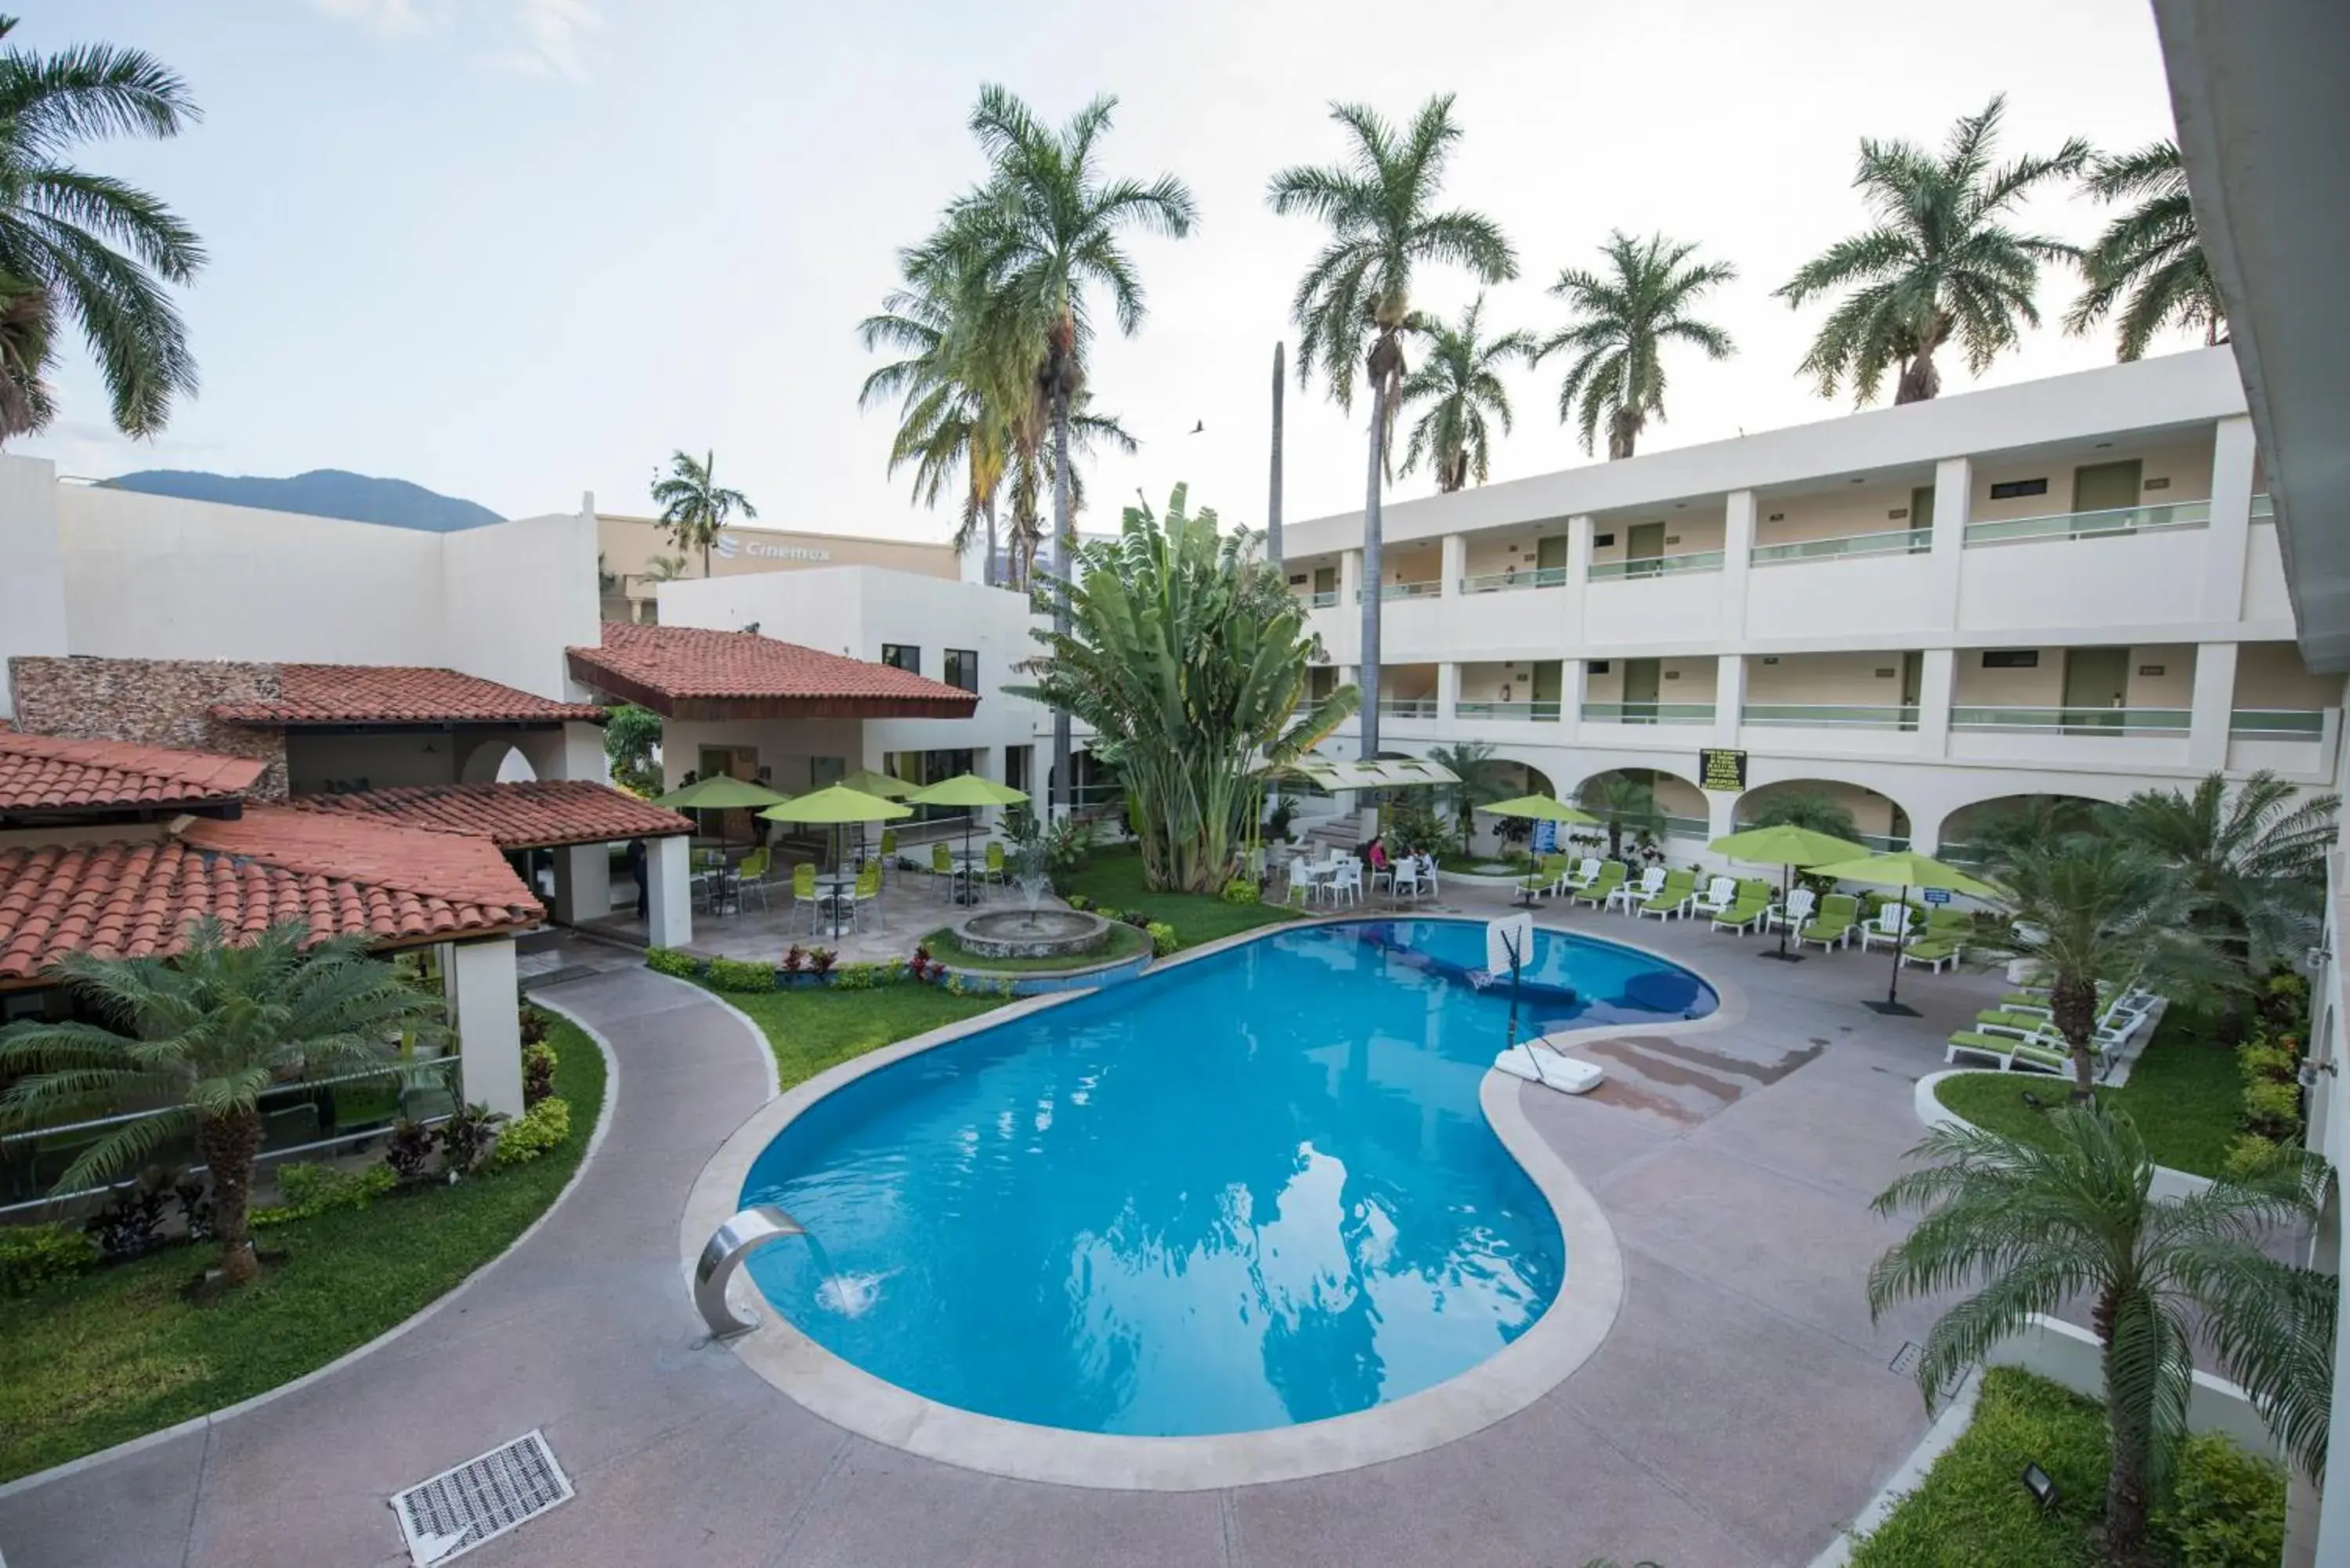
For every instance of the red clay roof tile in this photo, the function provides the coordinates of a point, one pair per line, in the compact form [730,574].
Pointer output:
[670,667]
[398,694]
[50,772]
[528,816]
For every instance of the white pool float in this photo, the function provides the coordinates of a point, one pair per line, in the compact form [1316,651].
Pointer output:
[1539,1062]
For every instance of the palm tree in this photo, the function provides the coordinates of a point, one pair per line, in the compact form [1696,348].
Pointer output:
[27,352]
[2150,253]
[694,505]
[1029,476]
[2090,909]
[1048,230]
[1624,801]
[2030,1226]
[93,246]
[1353,307]
[1939,263]
[206,1035]
[1460,383]
[1484,779]
[665,570]
[2254,862]
[1806,808]
[1624,317]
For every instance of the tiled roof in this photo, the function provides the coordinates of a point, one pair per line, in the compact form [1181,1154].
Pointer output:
[688,671]
[135,899]
[51,774]
[533,815]
[397,694]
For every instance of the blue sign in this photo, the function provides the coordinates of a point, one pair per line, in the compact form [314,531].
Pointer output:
[1936,894]
[1545,837]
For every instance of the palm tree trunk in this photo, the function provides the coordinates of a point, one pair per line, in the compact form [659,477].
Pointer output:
[1367,676]
[2127,1502]
[229,1144]
[2072,1005]
[989,572]
[1064,795]
[1273,503]
[1623,434]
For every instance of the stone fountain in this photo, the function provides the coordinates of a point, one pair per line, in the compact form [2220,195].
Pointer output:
[1032,932]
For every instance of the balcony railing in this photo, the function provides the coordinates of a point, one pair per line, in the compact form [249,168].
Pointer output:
[1659,565]
[1406,707]
[1325,598]
[1897,541]
[2073,721]
[2280,724]
[1427,590]
[1539,712]
[1503,582]
[1833,715]
[1648,712]
[1688,827]
[2263,508]
[2092,524]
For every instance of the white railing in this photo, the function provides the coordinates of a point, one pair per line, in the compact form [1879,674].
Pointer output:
[2074,721]
[1322,598]
[1895,542]
[1833,715]
[1424,590]
[2280,724]
[1503,582]
[1539,712]
[1407,706]
[2263,508]
[2092,524]
[1659,565]
[1649,713]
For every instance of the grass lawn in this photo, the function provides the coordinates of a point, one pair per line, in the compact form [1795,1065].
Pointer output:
[1124,943]
[1113,879]
[813,1029]
[117,1354]
[2184,1093]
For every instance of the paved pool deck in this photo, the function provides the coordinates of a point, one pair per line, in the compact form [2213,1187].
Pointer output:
[1739,1412]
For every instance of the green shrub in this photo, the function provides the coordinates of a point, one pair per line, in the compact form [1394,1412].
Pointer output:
[1162,937]
[308,1190]
[536,1131]
[863,976]
[536,1023]
[35,1257]
[2227,1507]
[672,960]
[2250,1155]
[2272,1109]
[741,974]
[1079,902]
[539,1064]
[1240,890]
[2264,1063]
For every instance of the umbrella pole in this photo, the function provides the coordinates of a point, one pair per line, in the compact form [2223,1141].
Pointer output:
[1892,1005]
[1786,890]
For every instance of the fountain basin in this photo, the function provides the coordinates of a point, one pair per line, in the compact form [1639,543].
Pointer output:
[1039,934]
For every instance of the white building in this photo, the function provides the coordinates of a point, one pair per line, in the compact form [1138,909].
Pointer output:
[2070,586]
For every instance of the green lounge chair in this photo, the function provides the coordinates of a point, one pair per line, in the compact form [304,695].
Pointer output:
[1673,897]
[1832,927]
[1746,910]
[1933,952]
[1548,875]
[1596,893]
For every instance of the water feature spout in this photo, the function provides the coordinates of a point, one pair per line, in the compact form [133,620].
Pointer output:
[722,1255]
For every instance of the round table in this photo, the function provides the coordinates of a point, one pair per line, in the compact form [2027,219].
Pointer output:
[839,888]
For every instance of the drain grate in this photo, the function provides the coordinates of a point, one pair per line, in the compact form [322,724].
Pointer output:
[1905,1363]
[480,1499]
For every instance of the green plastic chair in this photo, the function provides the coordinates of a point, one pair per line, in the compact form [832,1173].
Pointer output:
[1832,927]
[1933,951]
[751,877]
[1610,878]
[804,890]
[1747,909]
[1549,872]
[888,842]
[868,890]
[996,871]
[1672,898]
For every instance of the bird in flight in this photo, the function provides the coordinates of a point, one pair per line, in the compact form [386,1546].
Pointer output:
[1197,428]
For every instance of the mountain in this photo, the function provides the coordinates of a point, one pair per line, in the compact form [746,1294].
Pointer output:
[321,493]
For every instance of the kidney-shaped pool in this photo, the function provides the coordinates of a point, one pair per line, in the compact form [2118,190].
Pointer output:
[1247,1191]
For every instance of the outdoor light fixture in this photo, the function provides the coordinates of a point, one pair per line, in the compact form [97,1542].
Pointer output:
[2035,1482]
[2311,1067]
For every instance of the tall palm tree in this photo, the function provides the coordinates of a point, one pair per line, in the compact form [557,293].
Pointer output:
[1050,231]
[27,352]
[205,1034]
[1461,384]
[1941,262]
[694,507]
[1353,307]
[96,247]
[2094,909]
[1806,808]
[2254,861]
[1484,779]
[2032,1226]
[1031,475]
[2151,253]
[1624,801]
[1625,315]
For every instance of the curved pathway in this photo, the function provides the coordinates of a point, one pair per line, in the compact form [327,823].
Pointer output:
[1741,1409]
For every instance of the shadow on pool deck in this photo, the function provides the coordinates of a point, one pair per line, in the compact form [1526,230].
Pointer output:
[1739,1412]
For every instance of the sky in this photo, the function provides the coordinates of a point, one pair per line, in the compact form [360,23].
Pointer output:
[518,250]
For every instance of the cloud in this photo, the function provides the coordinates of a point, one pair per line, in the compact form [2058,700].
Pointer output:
[550,33]
[392,18]
[528,38]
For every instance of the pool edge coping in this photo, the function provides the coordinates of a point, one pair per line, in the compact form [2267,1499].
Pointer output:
[1567,1334]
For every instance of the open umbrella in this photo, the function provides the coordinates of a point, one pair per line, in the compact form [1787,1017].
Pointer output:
[832,807]
[719,793]
[887,786]
[1539,809]
[1904,870]
[970,792]
[1788,846]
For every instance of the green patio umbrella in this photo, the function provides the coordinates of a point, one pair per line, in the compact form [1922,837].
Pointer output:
[887,785]
[1906,869]
[833,807]
[1540,808]
[1788,846]
[969,791]
[719,793]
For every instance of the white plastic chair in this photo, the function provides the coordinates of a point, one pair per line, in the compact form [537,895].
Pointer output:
[1893,924]
[1346,881]
[1403,878]
[1582,877]
[1718,895]
[1796,911]
[1632,895]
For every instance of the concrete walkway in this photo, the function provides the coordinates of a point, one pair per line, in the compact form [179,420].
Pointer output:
[1740,1411]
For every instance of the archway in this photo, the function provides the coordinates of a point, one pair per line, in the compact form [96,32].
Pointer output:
[1640,810]
[497,761]
[1970,832]
[1876,818]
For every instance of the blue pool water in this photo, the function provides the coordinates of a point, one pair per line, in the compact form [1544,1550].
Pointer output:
[1249,1191]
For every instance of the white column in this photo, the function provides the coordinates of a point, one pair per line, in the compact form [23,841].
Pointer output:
[1737,559]
[1448,689]
[669,892]
[2214,707]
[1573,681]
[2225,541]
[1953,495]
[486,1004]
[1350,577]
[1936,684]
[1720,812]
[1729,698]
[1578,578]
[583,883]
[1456,562]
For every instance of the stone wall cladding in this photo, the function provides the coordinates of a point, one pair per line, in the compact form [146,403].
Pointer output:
[154,701]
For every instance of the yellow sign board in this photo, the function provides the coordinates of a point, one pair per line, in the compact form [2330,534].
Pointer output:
[1720,769]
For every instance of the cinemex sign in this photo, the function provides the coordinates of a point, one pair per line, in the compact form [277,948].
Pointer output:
[727,547]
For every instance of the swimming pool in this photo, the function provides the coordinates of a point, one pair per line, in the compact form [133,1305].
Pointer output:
[1246,1192]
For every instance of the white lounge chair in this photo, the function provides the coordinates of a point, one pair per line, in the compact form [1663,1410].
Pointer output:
[1581,877]
[1893,924]
[1718,895]
[1795,912]
[1632,895]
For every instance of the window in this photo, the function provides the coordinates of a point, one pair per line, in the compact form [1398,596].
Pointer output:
[2011,658]
[962,667]
[2015,487]
[903,656]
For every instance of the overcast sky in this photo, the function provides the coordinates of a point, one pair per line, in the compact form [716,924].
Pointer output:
[518,249]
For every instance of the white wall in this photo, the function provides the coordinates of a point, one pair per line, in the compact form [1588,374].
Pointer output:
[516,595]
[32,566]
